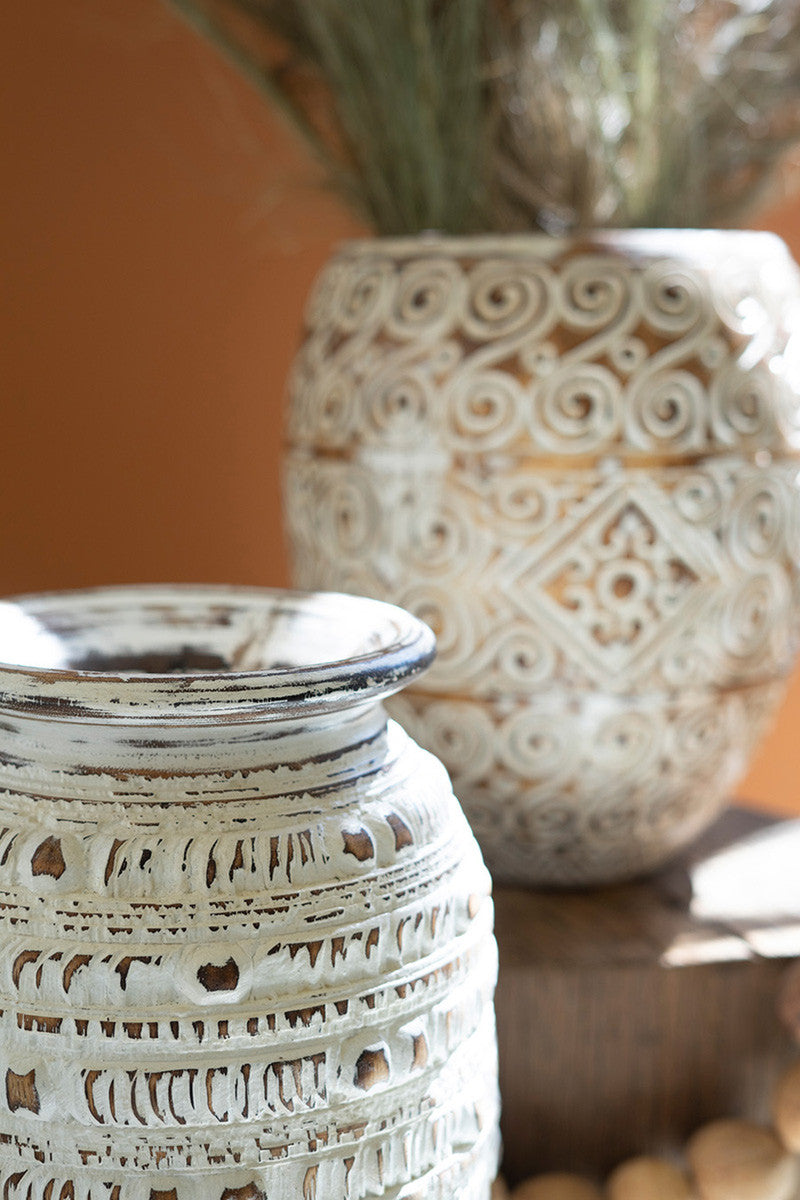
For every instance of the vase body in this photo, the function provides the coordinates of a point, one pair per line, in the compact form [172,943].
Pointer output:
[577,460]
[246,932]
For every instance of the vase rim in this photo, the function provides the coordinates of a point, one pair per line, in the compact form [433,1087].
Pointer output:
[202,653]
[701,241]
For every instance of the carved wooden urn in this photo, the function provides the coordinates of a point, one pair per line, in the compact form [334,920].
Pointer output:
[578,461]
[245,931]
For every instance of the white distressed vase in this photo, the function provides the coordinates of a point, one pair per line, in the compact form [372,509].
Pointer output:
[245,931]
[578,461]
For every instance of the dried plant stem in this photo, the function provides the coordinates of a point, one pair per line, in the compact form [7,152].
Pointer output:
[467,115]
[257,75]
[644,120]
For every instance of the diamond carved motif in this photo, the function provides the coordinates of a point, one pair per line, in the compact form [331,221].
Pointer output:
[608,589]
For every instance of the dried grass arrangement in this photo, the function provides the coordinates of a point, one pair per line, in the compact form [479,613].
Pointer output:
[556,115]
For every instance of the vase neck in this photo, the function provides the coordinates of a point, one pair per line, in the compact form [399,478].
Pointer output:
[120,762]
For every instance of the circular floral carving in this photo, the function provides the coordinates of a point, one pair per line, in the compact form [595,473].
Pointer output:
[583,475]
[424,299]
[760,520]
[441,538]
[332,408]
[532,744]
[350,519]
[577,410]
[523,656]
[752,611]
[625,743]
[399,408]
[593,291]
[628,354]
[449,617]
[359,301]
[699,498]
[507,298]
[667,410]
[675,299]
[522,498]
[463,733]
[485,410]
[740,402]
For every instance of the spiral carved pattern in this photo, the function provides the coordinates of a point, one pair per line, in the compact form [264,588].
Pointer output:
[581,469]
[240,961]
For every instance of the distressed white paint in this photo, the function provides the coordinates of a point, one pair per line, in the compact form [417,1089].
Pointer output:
[245,932]
[578,461]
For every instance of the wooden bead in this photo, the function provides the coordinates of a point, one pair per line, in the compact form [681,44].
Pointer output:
[648,1179]
[786,1108]
[556,1187]
[735,1160]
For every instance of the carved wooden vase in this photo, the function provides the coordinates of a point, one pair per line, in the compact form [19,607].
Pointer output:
[246,947]
[578,461]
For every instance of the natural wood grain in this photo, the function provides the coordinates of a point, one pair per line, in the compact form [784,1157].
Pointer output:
[626,1020]
[786,1108]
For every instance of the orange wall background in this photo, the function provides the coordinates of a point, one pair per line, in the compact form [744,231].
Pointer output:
[160,233]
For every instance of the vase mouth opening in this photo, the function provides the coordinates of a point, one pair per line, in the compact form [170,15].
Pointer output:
[697,243]
[203,652]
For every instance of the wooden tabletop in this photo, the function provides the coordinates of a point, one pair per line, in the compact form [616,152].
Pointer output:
[628,1016]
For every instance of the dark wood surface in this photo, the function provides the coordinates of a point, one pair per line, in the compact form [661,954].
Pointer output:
[628,1016]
